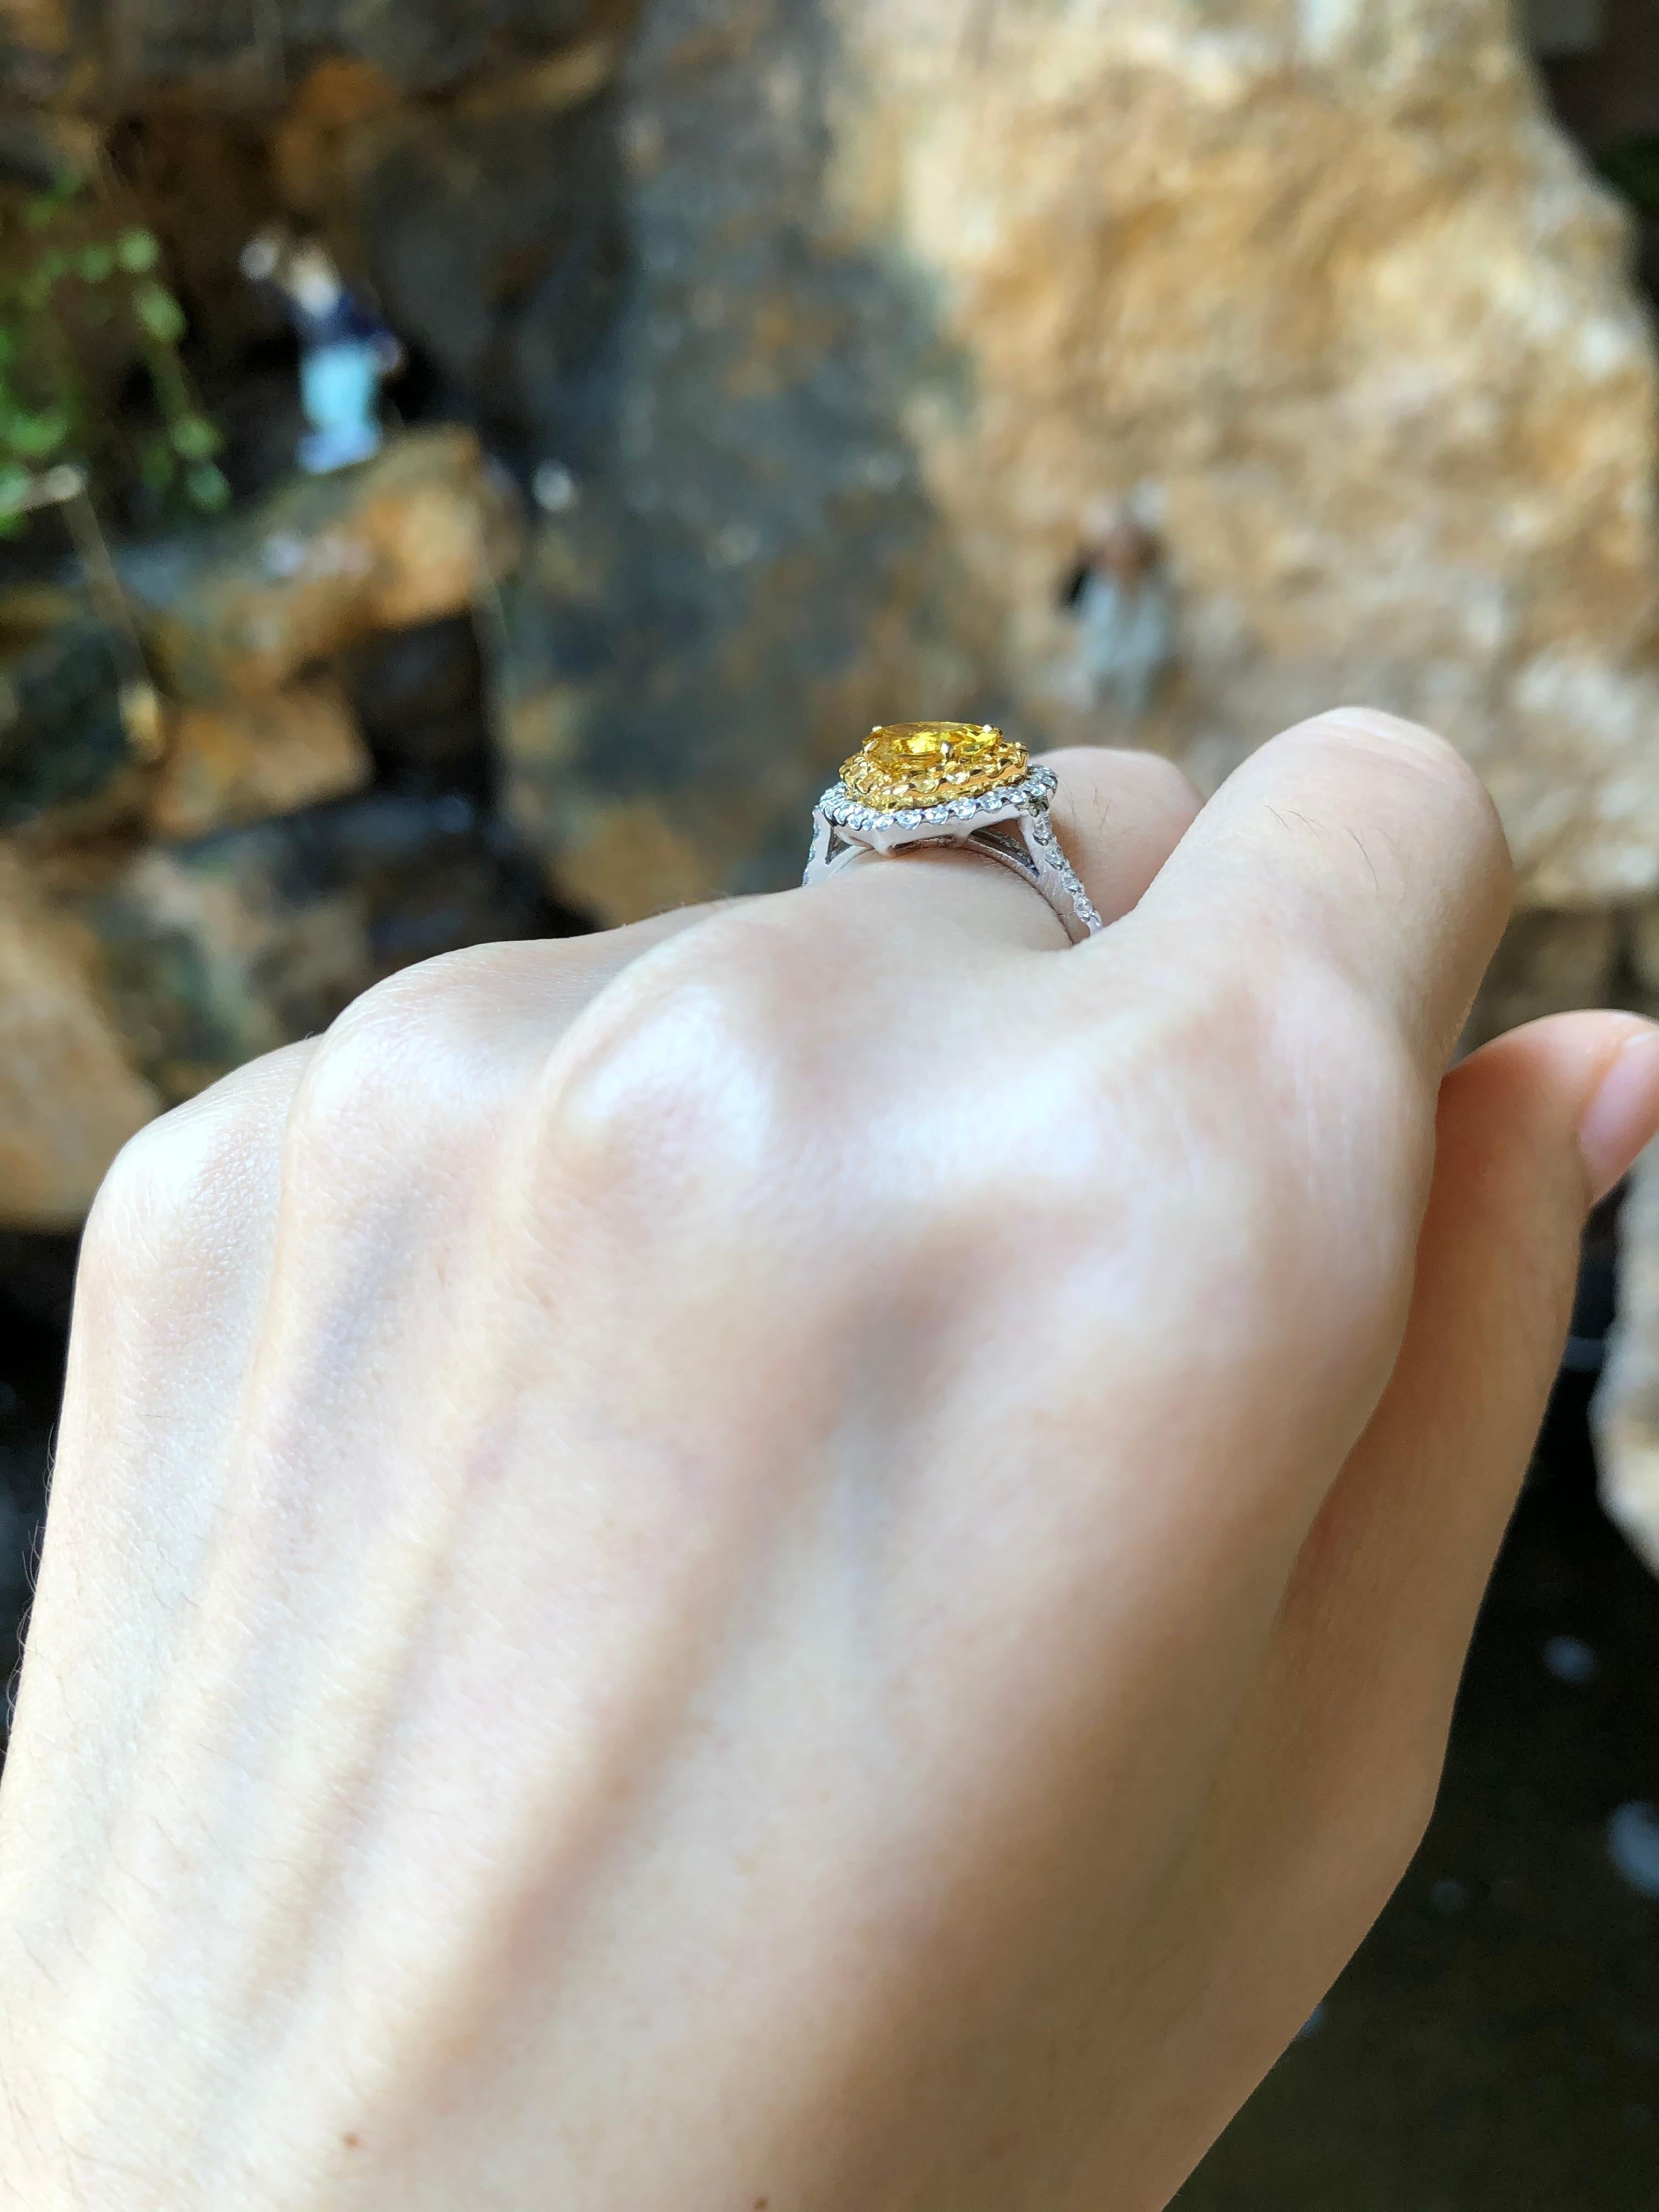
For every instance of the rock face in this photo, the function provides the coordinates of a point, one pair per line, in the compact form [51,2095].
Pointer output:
[69,1098]
[832,324]
[248,760]
[170,911]
[495,231]
[217,952]
[64,750]
[99,50]
[919,284]
[242,610]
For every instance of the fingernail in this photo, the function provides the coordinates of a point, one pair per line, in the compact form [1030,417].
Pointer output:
[1622,1119]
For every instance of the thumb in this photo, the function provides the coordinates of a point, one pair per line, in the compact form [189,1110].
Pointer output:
[1337,1751]
[1532,1132]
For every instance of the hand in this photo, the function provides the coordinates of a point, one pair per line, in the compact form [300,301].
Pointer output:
[813,1557]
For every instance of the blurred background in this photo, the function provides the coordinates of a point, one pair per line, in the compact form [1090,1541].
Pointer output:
[473,468]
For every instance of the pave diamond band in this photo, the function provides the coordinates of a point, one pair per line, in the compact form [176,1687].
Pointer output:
[1009,823]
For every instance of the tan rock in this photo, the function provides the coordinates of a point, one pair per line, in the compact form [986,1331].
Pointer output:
[1328,284]
[69,1098]
[243,609]
[330,109]
[219,950]
[249,759]
[1321,288]
[35,28]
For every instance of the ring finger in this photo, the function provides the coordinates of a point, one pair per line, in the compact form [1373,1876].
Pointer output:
[1119,816]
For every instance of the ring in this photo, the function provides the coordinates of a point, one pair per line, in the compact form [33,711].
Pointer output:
[965,784]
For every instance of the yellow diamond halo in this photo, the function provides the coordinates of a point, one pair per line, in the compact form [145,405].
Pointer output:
[924,763]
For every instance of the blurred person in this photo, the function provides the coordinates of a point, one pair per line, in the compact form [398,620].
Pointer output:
[346,351]
[813,1555]
[1124,603]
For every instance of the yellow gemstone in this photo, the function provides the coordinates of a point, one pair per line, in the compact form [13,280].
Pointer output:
[926,763]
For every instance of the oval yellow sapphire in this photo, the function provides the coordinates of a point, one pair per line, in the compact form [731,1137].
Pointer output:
[925,763]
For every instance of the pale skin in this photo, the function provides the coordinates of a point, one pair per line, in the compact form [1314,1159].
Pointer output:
[814,1556]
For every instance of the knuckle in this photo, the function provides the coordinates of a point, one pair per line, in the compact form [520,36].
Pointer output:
[362,1067]
[182,1167]
[685,1081]
[151,1183]
[415,1052]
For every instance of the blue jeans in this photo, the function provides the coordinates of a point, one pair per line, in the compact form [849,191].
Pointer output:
[340,390]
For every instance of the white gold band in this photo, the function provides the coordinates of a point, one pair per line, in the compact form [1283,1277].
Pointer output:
[1011,826]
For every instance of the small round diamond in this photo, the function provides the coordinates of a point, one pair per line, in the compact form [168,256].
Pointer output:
[909,819]
[937,814]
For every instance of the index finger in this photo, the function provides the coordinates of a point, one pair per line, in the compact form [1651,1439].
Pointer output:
[1364,841]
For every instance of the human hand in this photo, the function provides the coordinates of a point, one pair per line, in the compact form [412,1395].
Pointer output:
[812,1556]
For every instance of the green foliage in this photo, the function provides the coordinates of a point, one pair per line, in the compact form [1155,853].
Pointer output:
[81,297]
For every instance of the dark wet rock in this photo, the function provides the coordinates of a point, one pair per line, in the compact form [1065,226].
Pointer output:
[202,45]
[420,696]
[430,44]
[65,756]
[497,242]
[753,573]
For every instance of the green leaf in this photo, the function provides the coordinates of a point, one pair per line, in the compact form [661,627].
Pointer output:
[196,438]
[138,252]
[209,488]
[38,436]
[96,263]
[160,313]
[15,486]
